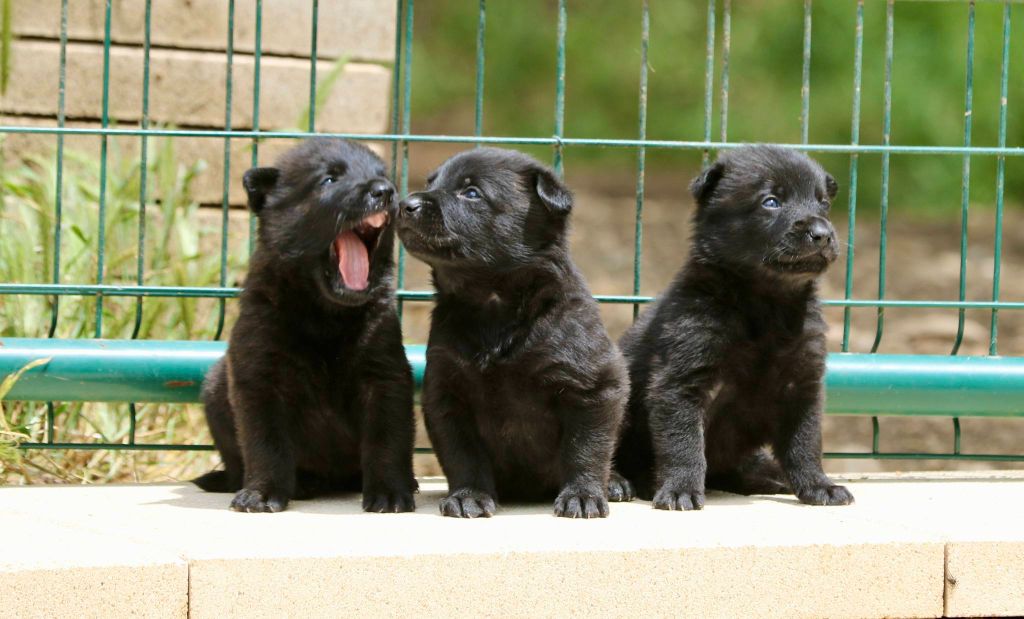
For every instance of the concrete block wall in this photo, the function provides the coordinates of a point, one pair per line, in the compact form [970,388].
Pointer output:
[187,74]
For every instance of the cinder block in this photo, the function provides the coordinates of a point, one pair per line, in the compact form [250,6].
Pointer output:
[188,88]
[359,29]
[985,579]
[61,569]
[208,186]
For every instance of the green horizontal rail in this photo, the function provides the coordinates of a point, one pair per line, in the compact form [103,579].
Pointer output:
[872,384]
[172,371]
[217,292]
[91,370]
[1013,151]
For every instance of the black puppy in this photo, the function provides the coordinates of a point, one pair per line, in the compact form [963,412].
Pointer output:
[524,392]
[730,359]
[315,393]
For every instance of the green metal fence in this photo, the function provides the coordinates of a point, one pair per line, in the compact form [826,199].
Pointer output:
[868,384]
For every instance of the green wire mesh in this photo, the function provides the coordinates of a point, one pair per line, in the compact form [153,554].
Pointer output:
[401,137]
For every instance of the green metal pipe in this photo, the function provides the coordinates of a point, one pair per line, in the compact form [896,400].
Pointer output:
[938,385]
[172,371]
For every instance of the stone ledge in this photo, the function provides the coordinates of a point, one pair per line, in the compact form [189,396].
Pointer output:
[908,547]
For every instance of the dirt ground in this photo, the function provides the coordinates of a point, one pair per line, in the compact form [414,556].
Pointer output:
[923,263]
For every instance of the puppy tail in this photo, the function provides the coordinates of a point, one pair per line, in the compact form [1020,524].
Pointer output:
[758,473]
[217,481]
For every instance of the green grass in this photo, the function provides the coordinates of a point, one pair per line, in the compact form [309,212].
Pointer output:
[602,67]
[181,248]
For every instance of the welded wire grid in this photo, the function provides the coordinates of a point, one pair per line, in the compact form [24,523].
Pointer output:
[401,137]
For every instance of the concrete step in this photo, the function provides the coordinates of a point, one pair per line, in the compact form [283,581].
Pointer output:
[912,546]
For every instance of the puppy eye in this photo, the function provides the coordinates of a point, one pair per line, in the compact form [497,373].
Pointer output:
[771,202]
[329,179]
[472,193]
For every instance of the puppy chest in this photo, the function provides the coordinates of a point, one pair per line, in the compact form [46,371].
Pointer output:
[517,423]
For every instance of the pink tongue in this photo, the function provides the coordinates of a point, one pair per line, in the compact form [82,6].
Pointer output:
[353,261]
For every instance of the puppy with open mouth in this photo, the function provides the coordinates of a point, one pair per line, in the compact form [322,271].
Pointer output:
[315,393]
[730,358]
[524,391]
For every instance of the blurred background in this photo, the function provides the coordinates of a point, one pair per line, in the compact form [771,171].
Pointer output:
[602,59]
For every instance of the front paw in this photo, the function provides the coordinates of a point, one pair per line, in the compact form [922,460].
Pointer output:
[388,502]
[825,494]
[254,501]
[679,494]
[468,503]
[619,489]
[580,502]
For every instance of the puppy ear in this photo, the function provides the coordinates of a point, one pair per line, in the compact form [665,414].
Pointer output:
[552,192]
[258,182]
[831,186]
[702,186]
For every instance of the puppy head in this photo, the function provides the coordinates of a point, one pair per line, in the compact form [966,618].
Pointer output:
[325,213]
[486,208]
[766,208]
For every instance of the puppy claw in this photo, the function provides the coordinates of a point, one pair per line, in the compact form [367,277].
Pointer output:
[572,503]
[619,489]
[673,500]
[254,502]
[826,495]
[468,503]
[388,503]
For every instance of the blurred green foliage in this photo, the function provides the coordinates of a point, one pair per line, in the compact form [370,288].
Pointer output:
[602,67]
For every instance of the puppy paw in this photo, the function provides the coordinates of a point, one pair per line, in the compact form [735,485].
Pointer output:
[576,502]
[826,494]
[679,496]
[256,501]
[619,489]
[384,502]
[468,503]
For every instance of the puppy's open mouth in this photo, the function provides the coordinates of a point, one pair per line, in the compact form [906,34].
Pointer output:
[354,248]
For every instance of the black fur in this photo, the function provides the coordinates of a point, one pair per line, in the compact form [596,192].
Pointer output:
[315,392]
[524,391]
[730,358]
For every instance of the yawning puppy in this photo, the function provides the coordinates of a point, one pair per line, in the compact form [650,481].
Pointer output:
[315,393]
[523,392]
[731,357]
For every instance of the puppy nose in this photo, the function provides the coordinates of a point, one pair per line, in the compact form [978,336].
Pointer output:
[412,204]
[381,189]
[819,232]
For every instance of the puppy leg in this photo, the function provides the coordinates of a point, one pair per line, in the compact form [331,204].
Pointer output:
[266,443]
[586,452]
[387,446]
[677,406]
[450,425]
[798,447]
[590,426]
[619,489]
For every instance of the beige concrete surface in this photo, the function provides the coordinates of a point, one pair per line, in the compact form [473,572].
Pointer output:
[188,88]
[896,552]
[359,29]
[49,569]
